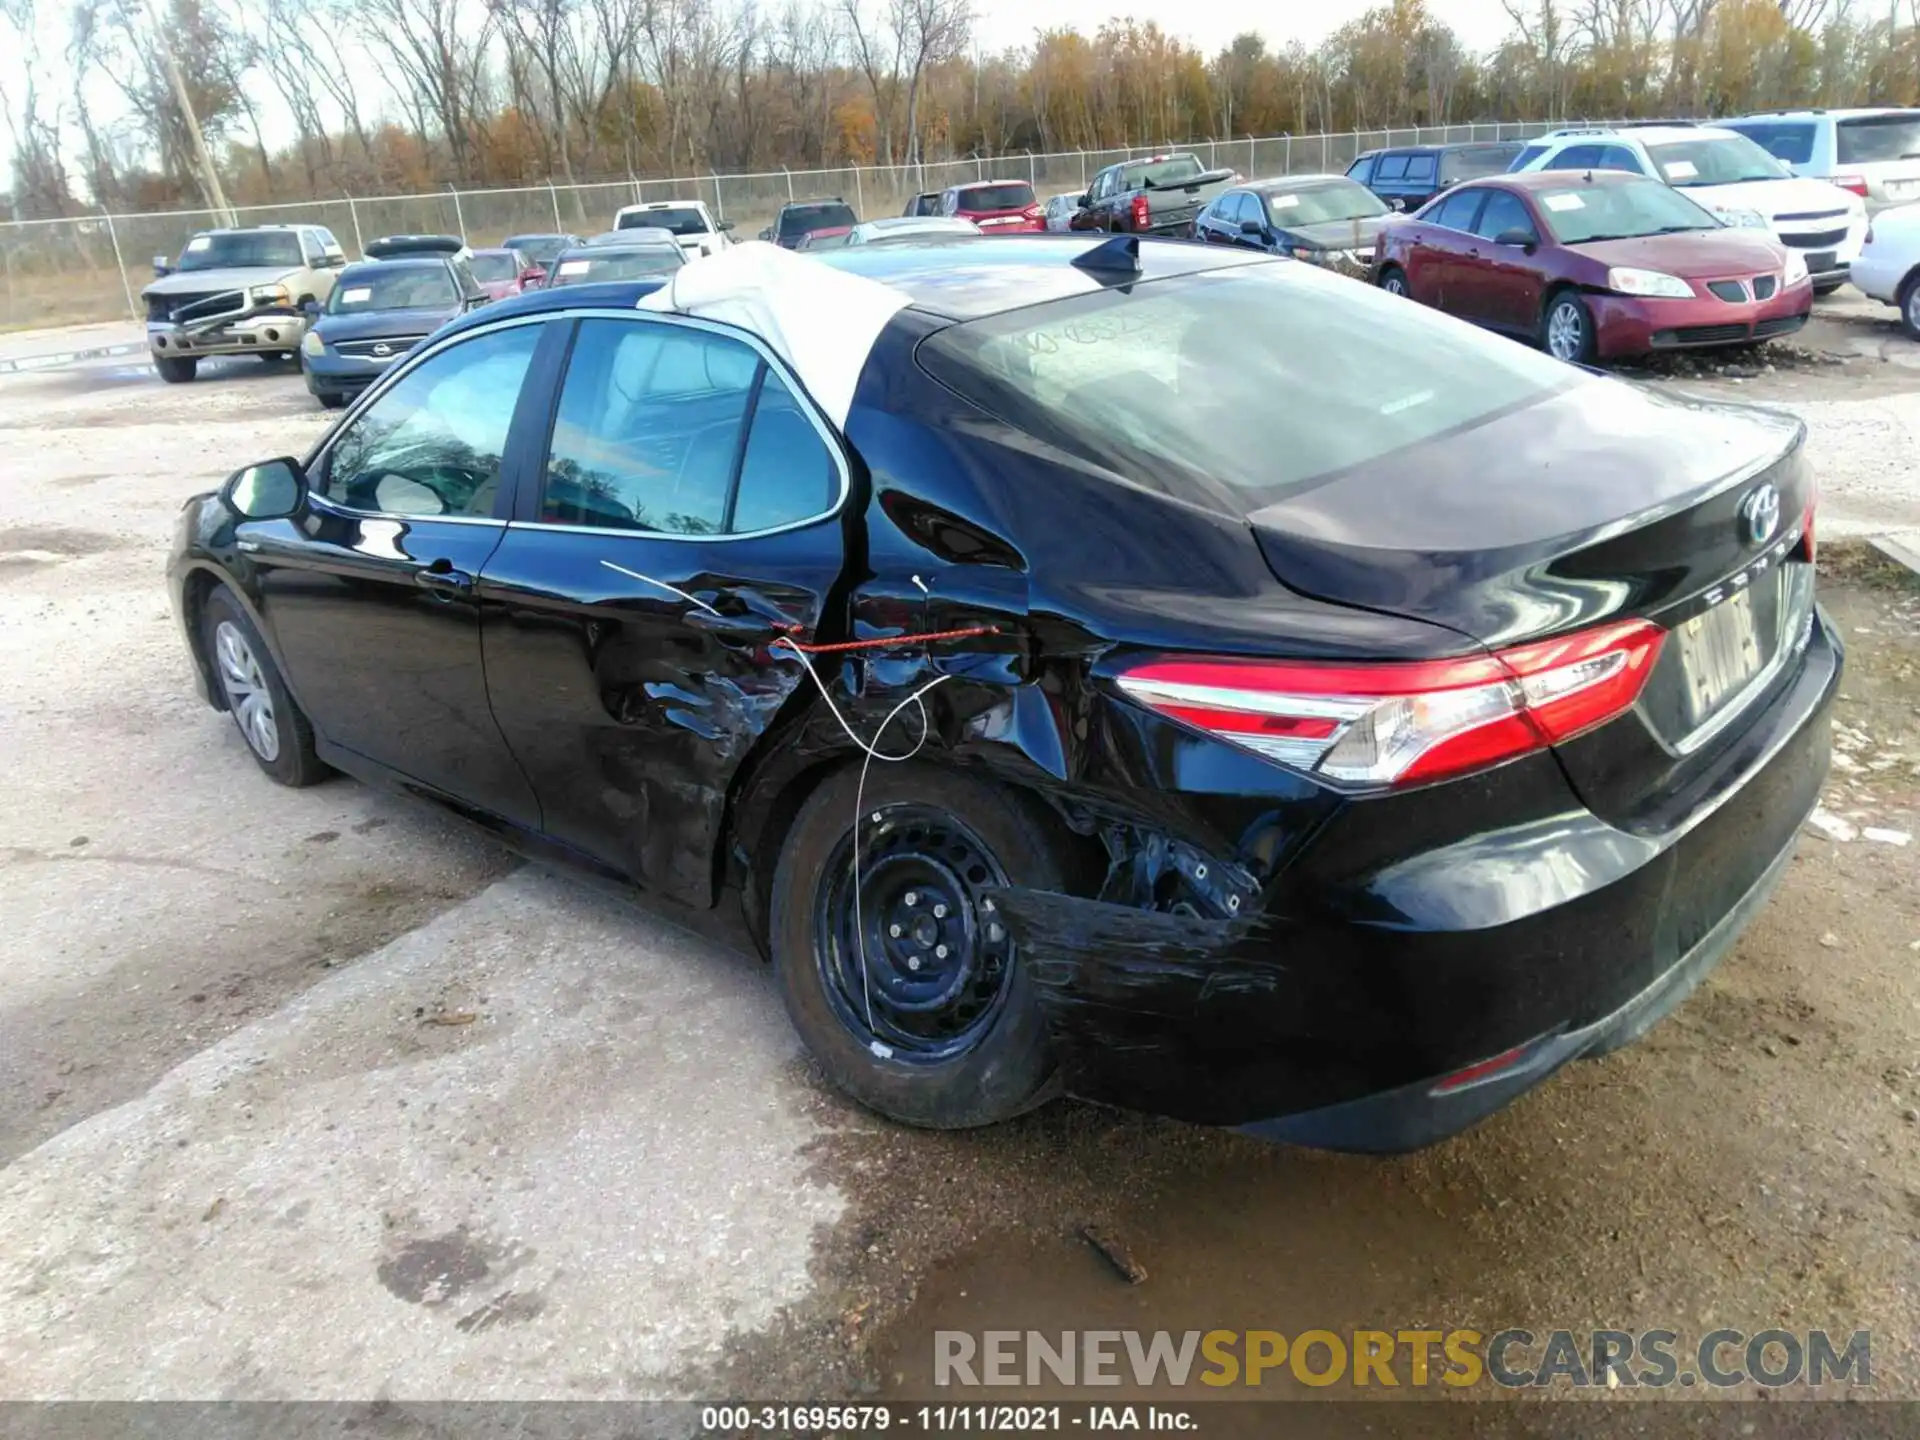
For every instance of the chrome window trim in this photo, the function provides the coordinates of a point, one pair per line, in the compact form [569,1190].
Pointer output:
[393,376]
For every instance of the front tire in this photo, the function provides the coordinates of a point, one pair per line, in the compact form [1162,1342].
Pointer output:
[176,369]
[942,1027]
[330,399]
[1393,280]
[1910,306]
[1566,329]
[276,732]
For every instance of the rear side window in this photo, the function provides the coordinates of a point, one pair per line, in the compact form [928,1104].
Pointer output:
[1527,156]
[1421,169]
[1392,167]
[1135,380]
[1874,138]
[673,430]
[1788,140]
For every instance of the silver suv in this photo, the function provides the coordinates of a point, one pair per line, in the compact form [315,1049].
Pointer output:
[238,292]
[1873,153]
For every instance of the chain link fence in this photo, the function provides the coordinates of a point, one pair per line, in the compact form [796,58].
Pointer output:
[92,267]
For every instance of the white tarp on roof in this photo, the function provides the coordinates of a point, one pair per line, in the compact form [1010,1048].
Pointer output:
[822,321]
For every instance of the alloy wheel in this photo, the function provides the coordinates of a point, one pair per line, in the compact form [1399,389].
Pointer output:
[937,958]
[247,694]
[1394,285]
[1566,332]
[1913,309]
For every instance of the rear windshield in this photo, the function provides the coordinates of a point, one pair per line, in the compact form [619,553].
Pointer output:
[585,267]
[392,287]
[1715,160]
[1577,214]
[684,221]
[1480,160]
[1317,204]
[493,267]
[1015,196]
[1788,140]
[240,248]
[1322,374]
[1878,137]
[798,219]
[1175,170]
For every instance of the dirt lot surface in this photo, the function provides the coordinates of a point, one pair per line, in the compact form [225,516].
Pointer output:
[314,1095]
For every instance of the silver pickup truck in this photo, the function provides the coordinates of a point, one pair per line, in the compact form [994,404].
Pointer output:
[1156,196]
[238,292]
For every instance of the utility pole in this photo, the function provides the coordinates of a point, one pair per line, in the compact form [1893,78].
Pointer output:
[209,177]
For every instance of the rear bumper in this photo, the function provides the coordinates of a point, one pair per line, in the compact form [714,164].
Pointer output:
[1336,1017]
[1879,276]
[1628,325]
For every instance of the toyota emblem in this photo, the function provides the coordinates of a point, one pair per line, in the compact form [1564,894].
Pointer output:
[1760,514]
[385,349]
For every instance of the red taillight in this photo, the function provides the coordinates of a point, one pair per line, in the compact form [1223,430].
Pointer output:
[1855,183]
[1142,215]
[1404,722]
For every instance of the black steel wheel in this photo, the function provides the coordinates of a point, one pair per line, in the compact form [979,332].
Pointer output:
[911,993]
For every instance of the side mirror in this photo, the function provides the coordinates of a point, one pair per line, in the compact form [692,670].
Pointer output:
[271,490]
[531,277]
[162,267]
[1394,202]
[767,234]
[1254,228]
[726,224]
[310,308]
[1523,239]
[1083,200]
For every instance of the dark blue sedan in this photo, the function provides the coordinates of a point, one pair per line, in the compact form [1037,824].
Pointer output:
[378,311]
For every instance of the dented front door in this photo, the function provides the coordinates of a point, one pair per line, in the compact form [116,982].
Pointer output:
[688,515]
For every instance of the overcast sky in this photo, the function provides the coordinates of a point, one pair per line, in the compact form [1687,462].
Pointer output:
[1210,24]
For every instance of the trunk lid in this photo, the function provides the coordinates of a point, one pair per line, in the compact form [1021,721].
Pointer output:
[1600,502]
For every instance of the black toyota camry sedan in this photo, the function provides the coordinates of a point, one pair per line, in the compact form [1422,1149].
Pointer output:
[1160,674]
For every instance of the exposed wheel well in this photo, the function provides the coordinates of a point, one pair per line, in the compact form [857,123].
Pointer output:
[1084,857]
[1907,282]
[200,584]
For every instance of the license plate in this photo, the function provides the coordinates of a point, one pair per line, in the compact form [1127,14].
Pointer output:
[1902,189]
[1820,261]
[1719,653]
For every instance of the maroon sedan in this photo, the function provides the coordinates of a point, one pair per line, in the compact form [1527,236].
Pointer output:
[503,272]
[1594,264]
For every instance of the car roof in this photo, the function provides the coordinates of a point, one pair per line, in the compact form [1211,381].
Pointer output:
[1439,148]
[982,184]
[633,237]
[962,279]
[1847,113]
[596,295]
[398,262]
[663,205]
[1548,179]
[1293,182]
[1645,134]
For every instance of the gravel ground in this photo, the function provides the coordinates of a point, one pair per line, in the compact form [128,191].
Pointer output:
[271,1058]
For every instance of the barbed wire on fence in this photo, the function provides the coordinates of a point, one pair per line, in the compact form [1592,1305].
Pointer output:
[91,267]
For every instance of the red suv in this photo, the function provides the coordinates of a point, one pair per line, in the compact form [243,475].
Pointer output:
[1592,264]
[999,207]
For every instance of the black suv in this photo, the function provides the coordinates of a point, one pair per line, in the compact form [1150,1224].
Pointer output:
[1407,177]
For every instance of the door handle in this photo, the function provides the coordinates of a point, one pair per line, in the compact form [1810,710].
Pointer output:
[443,579]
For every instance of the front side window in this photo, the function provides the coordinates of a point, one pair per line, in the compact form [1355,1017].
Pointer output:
[674,430]
[1527,156]
[432,443]
[1362,169]
[1619,157]
[1504,211]
[1421,169]
[1134,379]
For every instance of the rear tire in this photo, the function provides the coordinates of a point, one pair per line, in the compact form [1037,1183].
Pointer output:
[1393,280]
[956,1036]
[276,733]
[176,370]
[1566,328]
[330,399]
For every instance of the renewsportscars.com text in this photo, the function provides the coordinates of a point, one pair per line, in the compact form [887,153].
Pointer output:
[1512,1359]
